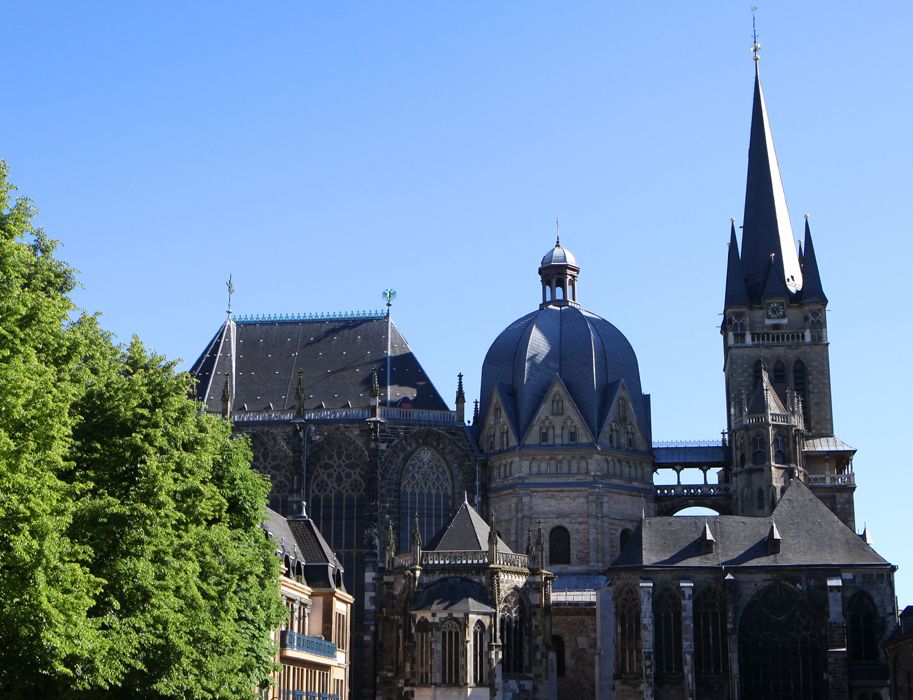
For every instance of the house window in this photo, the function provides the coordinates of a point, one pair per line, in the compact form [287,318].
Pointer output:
[497,413]
[862,628]
[711,652]
[759,452]
[667,637]
[504,437]
[779,449]
[630,437]
[451,642]
[512,633]
[558,646]
[479,655]
[426,489]
[559,546]
[544,435]
[557,406]
[423,652]
[572,435]
[627,633]
[613,435]
[491,440]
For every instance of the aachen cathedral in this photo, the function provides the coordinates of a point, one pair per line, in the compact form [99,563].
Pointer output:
[527,552]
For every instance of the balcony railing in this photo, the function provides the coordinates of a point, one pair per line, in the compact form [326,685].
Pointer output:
[693,490]
[833,480]
[808,335]
[408,415]
[296,641]
[307,695]
[458,558]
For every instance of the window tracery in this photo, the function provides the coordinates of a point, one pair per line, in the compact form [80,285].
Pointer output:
[667,632]
[451,643]
[423,652]
[711,652]
[426,489]
[478,653]
[627,633]
[862,628]
[512,619]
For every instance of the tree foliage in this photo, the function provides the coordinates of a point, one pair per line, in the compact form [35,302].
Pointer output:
[132,563]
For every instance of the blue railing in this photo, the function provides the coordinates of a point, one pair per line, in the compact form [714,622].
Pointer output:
[306,643]
[307,695]
[319,316]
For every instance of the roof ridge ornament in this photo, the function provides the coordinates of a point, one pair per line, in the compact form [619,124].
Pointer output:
[755,46]
[231,290]
[557,233]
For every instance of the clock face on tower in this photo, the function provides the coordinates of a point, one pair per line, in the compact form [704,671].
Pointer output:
[776,309]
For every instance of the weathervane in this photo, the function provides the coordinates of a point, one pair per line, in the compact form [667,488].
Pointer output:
[755,46]
[389,295]
[231,290]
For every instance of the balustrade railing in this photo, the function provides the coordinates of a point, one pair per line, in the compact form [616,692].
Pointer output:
[817,335]
[409,415]
[461,558]
[306,643]
[693,490]
[830,479]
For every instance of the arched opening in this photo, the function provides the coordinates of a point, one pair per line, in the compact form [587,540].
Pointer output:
[512,633]
[479,654]
[862,629]
[698,510]
[667,632]
[627,633]
[781,653]
[559,291]
[779,448]
[559,546]
[623,537]
[425,489]
[558,646]
[759,453]
[779,378]
[451,643]
[800,385]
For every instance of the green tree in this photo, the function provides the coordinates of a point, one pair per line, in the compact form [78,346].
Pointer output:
[143,571]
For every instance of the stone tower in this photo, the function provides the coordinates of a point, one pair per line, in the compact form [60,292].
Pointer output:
[775,349]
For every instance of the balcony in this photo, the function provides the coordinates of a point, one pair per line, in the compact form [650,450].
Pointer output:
[831,480]
[294,641]
[461,559]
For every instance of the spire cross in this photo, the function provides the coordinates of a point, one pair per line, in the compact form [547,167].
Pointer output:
[755,46]
[557,232]
[231,290]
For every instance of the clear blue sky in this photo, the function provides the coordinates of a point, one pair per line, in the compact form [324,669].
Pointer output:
[321,152]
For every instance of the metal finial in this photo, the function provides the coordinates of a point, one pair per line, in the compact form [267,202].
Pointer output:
[755,46]
[231,290]
[807,216]
[557,233]
[731,219]
[389,295]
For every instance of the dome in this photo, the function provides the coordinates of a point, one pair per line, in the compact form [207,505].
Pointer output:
[559,256]
[590,355]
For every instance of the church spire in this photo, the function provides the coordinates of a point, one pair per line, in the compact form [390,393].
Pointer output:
[811,288]
[766,227]
[735,280]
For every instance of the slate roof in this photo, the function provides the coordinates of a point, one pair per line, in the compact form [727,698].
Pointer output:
[826,444]
[587,352]
[812,536]
[300,539]
[766,227]
[336,356]
[467,532]
[455,594]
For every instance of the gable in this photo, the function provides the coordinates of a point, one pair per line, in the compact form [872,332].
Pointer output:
[557,420]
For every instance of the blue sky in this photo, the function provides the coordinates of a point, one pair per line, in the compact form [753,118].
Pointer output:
[321,152]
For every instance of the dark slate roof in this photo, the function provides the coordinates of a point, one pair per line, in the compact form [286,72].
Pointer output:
[812,536]
[559,256]
[811,278]
[336,356]
[455,594]
[764,399]
[467,532]
[587,352]
[766,227]
[299,538]
[735,279]
[716,455]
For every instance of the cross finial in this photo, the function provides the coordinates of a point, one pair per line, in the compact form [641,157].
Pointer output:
[389,295]
[557,232]
[755,46]
[231,290]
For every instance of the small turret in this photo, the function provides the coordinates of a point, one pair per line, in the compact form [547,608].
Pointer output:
[811,288]
[460,400]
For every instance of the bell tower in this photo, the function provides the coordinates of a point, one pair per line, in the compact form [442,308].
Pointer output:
[775,348]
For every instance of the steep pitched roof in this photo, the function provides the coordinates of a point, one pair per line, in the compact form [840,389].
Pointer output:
[455,594]
[735,278]
[299,538]
[811,286]
[764,399]
[766,227]
[335,355]
[467,531]
[811,536]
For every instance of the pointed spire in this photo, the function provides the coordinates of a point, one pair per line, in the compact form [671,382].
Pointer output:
[389,546]
[735,280]
[475,412]
[416,533]
[766,227]
[460,400]
[811,289]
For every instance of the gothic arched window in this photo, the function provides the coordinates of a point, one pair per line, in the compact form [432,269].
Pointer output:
[667,632]
[740,449]
[338,504]
[779,448]
[559,546]
[426,489]
[779,375]
[504,434]
[862,628]
[623,538]
[800,385]
[512,633]
[423,652]
[627,633]
[781,654]
[758,454]
[497,413]
[711,652]
[558,646]
[479,653]
[557,405]
[451,643]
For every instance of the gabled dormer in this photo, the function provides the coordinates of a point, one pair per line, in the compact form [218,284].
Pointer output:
[621,429]
[497,428]
[557,420]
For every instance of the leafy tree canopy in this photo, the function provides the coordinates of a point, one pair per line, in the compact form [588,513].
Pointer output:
[132,562]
